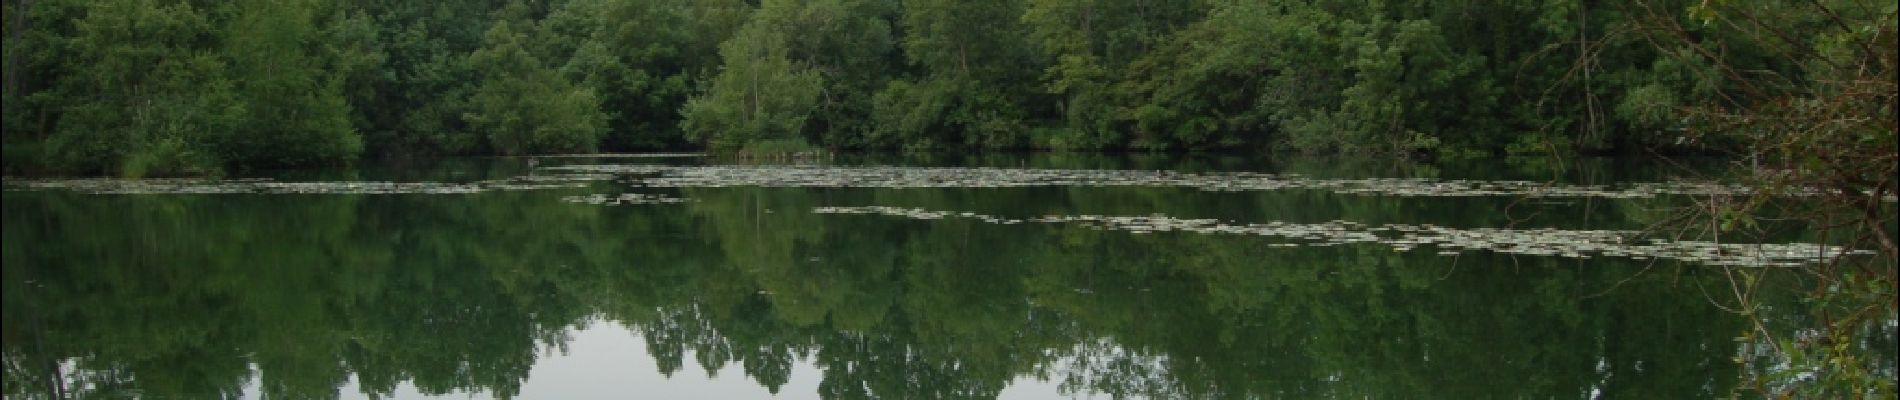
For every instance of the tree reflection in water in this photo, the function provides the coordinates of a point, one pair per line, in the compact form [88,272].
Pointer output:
[201,296]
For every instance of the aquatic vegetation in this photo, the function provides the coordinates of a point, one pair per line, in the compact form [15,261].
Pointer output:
[1579,244]
[621,155]
[1447,241]
[267,186]
[781,176]
[624,199]
[919,177]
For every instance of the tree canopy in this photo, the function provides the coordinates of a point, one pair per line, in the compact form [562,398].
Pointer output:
[138,87]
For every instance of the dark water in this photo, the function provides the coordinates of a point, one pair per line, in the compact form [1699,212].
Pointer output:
[744,292]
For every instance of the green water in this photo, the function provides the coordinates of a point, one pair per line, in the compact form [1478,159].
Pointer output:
[745,292]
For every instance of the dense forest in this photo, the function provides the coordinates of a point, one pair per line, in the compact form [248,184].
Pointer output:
[160,87]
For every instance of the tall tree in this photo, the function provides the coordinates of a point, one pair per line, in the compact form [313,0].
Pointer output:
[523,106]
[17,24]
[1091,45]
[423,82]
[759,95]
[290,84]
[975,74]
[146,87]
[642,57]
[851,45]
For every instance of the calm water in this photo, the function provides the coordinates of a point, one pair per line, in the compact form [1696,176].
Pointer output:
[746,292]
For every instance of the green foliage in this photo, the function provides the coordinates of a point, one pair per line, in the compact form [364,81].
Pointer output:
[973,78]
[166,88]
[1814,112]
[1093,43]
[641,58]
[264,84]
[759,93]
[851,45]
[777,148]
[524,106]
[417,95]
[1650,106]
[146,79]
[289,88]
[947,113]
[909,113]
[837,52]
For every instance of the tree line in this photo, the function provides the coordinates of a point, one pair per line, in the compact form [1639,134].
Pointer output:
[144,87]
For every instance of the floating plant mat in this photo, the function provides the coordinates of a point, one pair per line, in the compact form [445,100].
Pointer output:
[265,186]
[623,199]
[621,155]
[913,177]
[1446,241]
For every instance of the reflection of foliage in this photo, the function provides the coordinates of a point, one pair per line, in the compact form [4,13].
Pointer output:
[179,296]
[187,290]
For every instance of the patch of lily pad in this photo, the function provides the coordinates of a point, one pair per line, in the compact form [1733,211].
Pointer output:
[624,199]
[621,155]
[780,176]
[1444,241]
[267,186]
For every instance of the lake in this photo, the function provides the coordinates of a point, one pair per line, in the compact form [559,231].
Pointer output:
[1008,276]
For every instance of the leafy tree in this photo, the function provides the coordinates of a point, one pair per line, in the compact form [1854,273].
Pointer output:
[974,77]
[145,90]
[1094,44]
[631,54]
[524,106]
[846,46]
[759,95]
[416,97]
[850,44]
[290,88]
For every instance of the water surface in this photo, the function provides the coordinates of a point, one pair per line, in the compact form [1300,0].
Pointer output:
[557,281]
